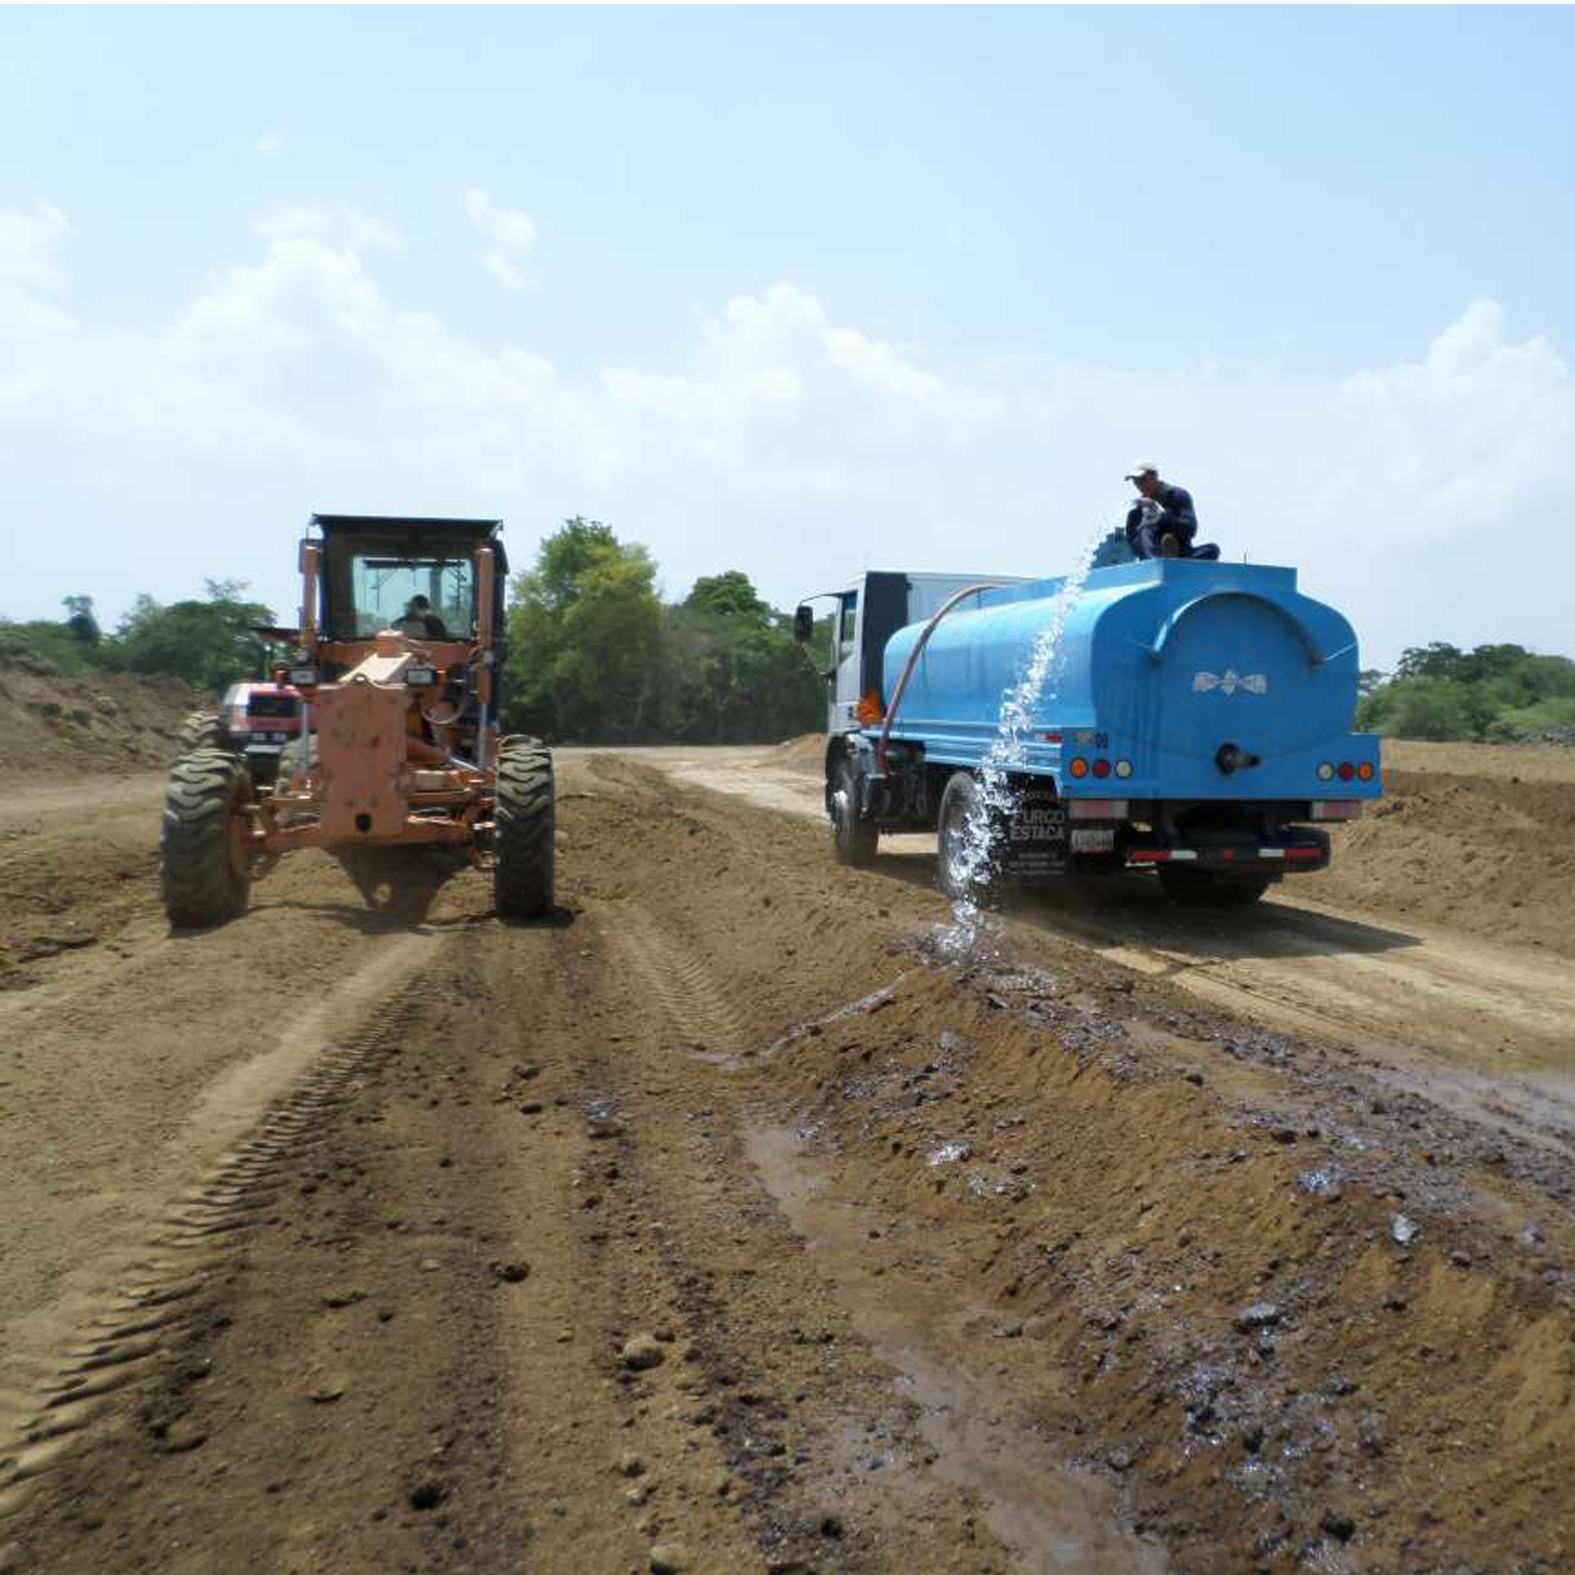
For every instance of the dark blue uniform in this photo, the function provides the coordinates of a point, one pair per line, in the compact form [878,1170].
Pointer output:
[1177,518]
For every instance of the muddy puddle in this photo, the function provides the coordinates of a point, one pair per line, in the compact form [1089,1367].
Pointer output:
[1056,1519]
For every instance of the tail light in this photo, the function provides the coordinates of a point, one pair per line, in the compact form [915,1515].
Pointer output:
[1079,766]
[1365,771]
[1101,768]
[1347,771]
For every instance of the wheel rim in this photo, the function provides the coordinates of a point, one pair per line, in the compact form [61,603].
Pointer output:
[840,806]
[951,842]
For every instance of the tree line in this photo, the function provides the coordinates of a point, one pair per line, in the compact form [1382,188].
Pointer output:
[593,653]
[1492,694]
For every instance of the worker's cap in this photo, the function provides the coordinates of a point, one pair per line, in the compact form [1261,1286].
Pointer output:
[1144,467]
[419,601]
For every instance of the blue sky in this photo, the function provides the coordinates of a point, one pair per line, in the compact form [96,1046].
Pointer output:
[792,290]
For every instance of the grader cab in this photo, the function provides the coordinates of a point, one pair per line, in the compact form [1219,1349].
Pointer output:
[395,663]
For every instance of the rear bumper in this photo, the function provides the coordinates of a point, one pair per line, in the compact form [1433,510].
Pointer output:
[1300,856]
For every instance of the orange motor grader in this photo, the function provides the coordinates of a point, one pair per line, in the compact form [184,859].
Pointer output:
[395,664]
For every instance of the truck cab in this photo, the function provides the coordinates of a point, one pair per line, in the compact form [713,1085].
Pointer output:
[866,613]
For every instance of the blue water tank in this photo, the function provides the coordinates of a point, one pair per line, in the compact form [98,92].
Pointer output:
[1161,665]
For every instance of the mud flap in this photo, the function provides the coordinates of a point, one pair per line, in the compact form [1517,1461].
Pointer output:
[1034,846]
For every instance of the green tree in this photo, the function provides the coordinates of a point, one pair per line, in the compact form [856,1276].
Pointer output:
[209,643]
[80,620]
[1494,692]
[587,649]
[741,676]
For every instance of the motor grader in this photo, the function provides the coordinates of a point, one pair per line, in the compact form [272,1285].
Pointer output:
[395,664]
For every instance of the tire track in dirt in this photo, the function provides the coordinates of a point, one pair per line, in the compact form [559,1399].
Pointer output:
[672,967]
[114,1337]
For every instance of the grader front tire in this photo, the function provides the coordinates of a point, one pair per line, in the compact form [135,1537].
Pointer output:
[522,880]
[201,730]
[206,874]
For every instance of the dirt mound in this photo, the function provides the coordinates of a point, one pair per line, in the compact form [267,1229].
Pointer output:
[806,753]
[1501,762]
[114,721]
[1495,855]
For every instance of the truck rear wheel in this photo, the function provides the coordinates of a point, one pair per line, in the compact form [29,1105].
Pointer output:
[206,869]
[961,869]
[1207,888]
[522,875]
[853,840]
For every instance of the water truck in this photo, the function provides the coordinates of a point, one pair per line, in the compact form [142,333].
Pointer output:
[1195,720]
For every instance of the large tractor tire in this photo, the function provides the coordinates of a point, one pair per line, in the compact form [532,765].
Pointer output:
[206,873]
[201,730]
[1208,889]
[522,871]
[853,839]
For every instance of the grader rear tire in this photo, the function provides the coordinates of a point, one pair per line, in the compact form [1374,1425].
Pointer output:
[206,874]
[522,873]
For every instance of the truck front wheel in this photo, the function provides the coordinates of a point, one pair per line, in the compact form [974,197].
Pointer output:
[853,839]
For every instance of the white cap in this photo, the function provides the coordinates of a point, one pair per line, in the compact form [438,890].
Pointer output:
[1143,467]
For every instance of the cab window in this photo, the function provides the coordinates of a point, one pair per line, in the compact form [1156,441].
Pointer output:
[848,624]
[370,587]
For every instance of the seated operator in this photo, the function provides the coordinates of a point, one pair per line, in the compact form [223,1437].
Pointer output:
[1162,523]
[420,622]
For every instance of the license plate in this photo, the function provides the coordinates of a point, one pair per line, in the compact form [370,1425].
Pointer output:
[1094,839]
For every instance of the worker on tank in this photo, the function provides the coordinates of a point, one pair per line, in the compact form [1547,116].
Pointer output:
[1162,522]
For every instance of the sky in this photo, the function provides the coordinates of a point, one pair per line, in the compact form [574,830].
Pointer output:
[794,291]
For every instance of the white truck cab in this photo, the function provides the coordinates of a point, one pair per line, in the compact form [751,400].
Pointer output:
[868,612]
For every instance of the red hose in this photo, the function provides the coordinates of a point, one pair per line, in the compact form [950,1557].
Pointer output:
[913,656]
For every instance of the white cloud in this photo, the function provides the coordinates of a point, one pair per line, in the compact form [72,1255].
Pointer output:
[336,224]
[786,443]
[29,243]
[512,232]
[505,270]
[269,144]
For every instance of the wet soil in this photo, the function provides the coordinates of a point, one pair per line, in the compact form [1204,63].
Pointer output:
[717,1225]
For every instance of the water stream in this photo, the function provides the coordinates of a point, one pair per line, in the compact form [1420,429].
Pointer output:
[972,935]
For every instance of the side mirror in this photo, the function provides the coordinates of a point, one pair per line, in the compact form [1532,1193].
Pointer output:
[803,624]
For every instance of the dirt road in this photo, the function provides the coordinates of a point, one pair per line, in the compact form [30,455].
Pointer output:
[718,1225]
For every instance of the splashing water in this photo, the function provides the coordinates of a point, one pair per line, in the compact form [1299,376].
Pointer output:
[972,935]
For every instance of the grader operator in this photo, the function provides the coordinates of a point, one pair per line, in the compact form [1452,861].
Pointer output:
[398,741]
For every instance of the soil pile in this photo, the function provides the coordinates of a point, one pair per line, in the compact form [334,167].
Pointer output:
[806,754]
[113,721]
[1491,849]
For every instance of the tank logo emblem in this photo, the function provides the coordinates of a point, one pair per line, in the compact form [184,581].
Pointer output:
[1229,682]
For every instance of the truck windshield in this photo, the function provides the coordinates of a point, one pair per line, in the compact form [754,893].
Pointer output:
[369,588]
